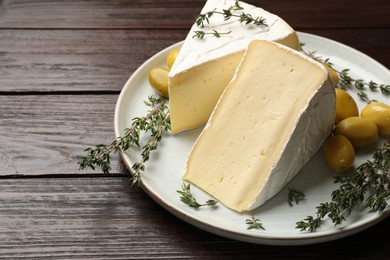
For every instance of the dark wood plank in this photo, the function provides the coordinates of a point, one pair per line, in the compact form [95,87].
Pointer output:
[62,65]
[101,218]
[47,134]
[300,14]
[303,14]
[80,60]
[98,13]
[375,45]
[103,60]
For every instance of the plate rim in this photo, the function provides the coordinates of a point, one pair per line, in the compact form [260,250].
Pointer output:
[309,238]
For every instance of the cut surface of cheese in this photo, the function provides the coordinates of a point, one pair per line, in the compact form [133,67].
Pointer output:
[270,120]
[205,66]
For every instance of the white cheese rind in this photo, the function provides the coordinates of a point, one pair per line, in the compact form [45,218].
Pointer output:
[268,123]
[313,127]
[198,51]
[205,66]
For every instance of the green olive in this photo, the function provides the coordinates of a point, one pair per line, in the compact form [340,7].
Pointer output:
[158,79]
[359,131]
[379,114]
[171,58]
[338,153]
[333,74]
[345,105]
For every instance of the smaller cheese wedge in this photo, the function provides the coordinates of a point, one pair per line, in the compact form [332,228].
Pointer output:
[270,120]
[204,67]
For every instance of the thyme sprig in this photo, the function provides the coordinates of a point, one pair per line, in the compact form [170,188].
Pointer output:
[201,34]
[188,198]
[294,196]
[227,14]
[236,6]
[359,86]
[369,185]
[313,54]
[156,122]
[254,223]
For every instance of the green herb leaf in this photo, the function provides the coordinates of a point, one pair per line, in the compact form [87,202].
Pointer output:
[227,14]
[254,223]
[201,34]
[359,86]
[187,197]
[370,179]
[236,6]
[294,196]
[155,122]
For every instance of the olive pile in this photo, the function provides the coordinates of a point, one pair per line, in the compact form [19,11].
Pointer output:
[158,77]
[352,131]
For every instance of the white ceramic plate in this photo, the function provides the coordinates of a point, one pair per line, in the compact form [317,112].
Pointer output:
[162,177]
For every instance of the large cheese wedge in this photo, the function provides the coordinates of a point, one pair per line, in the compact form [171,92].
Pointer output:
[268,123]
[205,66]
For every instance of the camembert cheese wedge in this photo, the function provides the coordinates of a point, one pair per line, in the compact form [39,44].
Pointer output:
[205,66]
[270,120]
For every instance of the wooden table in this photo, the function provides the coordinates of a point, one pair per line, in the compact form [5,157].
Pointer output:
[62,67]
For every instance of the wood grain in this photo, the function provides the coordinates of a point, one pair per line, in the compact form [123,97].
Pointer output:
[76,60]
[373,43]
[62,66]
[103,60]
[300,14]
[101,218]
[47,134]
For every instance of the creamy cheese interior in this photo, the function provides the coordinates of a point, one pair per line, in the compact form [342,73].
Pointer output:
[276,111]
[193,94]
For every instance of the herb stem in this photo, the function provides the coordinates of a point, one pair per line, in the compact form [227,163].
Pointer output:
[187,198]
[157,121]
[358,86]
[201,34]
[294,196]
[227,14]
[149,147]
[254,223]
[369,185]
